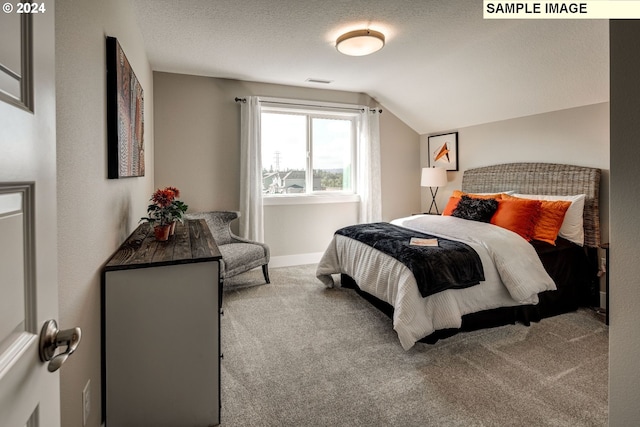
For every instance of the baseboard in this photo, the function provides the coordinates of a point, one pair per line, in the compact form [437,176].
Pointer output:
[291,260]
[603,299]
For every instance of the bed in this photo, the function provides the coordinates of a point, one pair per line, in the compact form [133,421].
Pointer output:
[523,280]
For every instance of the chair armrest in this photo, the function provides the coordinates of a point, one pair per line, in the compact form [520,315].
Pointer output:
[238,239]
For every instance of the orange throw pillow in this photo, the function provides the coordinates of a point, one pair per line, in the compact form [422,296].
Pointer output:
[451,205]
[517,215]
[459,194]
[550,220]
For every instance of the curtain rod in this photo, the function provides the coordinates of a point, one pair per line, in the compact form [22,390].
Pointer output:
[244,100]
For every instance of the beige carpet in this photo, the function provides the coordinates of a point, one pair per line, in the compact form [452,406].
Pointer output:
[297,354]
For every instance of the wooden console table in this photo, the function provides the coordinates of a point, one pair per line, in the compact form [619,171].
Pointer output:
[161,330]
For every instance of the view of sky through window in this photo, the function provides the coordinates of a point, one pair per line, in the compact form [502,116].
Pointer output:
[302,150]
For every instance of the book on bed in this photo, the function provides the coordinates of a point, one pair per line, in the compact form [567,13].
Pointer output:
[417,241]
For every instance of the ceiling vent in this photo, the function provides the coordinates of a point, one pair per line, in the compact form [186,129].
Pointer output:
[321,81]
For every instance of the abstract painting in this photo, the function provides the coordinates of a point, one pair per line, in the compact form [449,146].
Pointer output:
[443,151]
[125,116]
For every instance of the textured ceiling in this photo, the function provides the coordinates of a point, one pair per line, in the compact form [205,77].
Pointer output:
[443,67]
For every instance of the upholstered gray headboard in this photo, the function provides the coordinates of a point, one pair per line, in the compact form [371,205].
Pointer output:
[543,178]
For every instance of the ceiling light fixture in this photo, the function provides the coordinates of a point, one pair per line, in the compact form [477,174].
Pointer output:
[360,42]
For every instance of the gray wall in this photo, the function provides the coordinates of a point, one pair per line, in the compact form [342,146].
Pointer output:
[624,339]
[94,214]
[197,150]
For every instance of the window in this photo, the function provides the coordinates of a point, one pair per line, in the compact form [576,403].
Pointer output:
[307,151]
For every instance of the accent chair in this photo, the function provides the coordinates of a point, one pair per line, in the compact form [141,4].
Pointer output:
[238,254]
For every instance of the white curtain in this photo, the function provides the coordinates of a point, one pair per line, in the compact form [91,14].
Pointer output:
[251,209]
[369,182]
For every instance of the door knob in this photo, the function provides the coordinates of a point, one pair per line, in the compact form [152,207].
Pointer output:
[51,338]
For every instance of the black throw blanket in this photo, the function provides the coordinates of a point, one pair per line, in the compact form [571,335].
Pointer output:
[450,265]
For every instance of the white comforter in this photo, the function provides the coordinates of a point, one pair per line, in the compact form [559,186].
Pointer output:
[513,273]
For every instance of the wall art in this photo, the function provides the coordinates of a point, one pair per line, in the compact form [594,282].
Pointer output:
[125,116]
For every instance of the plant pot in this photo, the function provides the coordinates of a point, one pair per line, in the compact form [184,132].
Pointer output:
[162,232]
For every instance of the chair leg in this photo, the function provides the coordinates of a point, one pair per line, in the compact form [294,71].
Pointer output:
[265,271]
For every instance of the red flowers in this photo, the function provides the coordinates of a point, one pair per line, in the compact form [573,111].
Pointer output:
[174,190]
[164,198]
[165,207]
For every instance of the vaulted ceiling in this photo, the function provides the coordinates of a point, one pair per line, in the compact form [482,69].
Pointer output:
[443,66]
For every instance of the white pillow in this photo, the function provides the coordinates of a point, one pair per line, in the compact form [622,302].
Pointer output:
[572,227]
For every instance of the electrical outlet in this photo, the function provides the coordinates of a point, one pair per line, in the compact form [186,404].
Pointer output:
[86,402]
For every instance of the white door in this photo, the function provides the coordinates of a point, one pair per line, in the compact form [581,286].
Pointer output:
[29,393]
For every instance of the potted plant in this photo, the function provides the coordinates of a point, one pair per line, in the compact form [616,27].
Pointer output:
[164,211]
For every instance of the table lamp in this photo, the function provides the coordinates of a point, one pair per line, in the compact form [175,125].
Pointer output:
[433,178]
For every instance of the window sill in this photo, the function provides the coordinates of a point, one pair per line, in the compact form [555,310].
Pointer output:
[310,200]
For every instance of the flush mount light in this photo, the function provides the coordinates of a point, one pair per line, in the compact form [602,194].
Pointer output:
[360,42]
